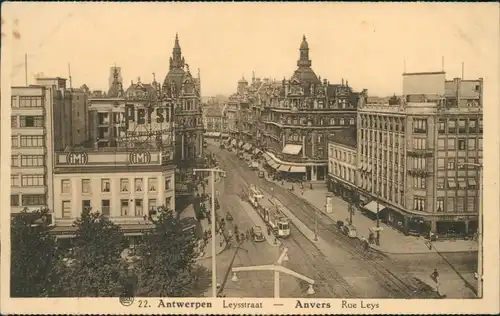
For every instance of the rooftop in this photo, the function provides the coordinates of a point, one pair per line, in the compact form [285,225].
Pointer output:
[346,137]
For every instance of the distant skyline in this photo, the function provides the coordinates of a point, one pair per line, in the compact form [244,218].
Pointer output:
[367,44]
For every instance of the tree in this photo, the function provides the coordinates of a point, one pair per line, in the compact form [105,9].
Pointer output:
[95,268]
[167,265]
[33,254]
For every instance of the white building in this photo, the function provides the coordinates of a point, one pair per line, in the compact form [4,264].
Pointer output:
[342,164]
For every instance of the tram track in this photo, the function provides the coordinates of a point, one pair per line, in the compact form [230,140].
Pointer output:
[394,285]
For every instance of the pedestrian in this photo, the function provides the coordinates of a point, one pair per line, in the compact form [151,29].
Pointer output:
[302,191]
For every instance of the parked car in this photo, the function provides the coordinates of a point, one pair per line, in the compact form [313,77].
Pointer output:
[261,174]
[258,236]
[350,231]
[254,165]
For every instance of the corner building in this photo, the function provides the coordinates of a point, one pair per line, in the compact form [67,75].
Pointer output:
[413,152]
[299,115]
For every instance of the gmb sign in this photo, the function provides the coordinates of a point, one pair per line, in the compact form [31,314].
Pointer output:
[140,158]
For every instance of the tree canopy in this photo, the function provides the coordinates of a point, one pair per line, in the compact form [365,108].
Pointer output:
[167,265]
[33,254]
[95,267]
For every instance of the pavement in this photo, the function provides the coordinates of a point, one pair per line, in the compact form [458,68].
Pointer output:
[257,220]
[391,240]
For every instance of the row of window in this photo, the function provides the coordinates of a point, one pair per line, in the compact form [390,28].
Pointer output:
[26,121]
[343,172]
[459,204]
[459,183]
[383,124]
[386,189]
[27,161]
[319,121]
[343,156]
[464,125]
[460,144]
[27,102]
[28,200]
[381,137]
[28,141]
[27,180]
[124,185]
[127,208]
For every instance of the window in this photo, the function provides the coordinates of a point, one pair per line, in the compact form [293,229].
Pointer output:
[31,141]
[152,184]
[452,126]
[351,121]
[419,163]
[440,143]
[472,126]
[33,199]
[471,204]
[14,161]
[341,121]
[86,186]
[461,144]
[168,201]
[419,182]
[419,204]
[152,204]
[441,127]
[65,186]
[440,183]
[14,180]
[13,121]
[461,126]
[451,143]
[480,126]
[472,183]
[105,207]
[167,184]
[138,207]
[138,184]
[460,204]
[440,163]
[123,185]
[33,180]
[105,185]
[451,183]
[419,143]
[450,205]
[31,121]
[14,200]
[480,144]
[440,205]
[471,144]
[32,161]
[124,207]
[420,126]
[461,183]
[14,141]
[29,102]
[66,209]
[86,204]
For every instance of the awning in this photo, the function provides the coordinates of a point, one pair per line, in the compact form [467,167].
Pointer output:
[233,142]
[472,182]
[298,169]
[224,135]
[372,207]
[256,151]
[240,144]
[292,149]
[216,134]
[284,168]
[247,146]
[266,157]
[274,165]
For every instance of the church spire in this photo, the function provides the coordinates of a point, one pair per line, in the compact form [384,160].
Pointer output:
[176,61]
[304,60]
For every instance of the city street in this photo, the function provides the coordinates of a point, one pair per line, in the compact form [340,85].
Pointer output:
[340,267]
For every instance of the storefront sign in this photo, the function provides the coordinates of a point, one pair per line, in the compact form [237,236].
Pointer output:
[145,115]
[138,158]
[77,158]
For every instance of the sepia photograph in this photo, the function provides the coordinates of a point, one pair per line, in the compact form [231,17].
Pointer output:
[231,158]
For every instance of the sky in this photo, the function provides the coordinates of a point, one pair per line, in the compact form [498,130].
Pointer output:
[369,44]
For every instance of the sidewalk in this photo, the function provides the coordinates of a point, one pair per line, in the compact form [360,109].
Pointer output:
[391,240]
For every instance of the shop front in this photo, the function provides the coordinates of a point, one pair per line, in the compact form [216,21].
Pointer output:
[451,227]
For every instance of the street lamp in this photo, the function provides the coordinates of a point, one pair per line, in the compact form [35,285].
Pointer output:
[316,225]
[480,227]
[378,220]
[213,172]
[277,268]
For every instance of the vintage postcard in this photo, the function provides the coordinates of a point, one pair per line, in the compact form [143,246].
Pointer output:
[249,158]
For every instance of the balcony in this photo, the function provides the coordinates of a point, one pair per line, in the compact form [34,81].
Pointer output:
[417,172]
[420,153]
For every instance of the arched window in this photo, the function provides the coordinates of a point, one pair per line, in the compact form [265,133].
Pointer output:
[341,121]
[332,121]
[289,120]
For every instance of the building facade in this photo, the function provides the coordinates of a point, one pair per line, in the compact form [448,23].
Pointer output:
[126,186]
[215,121]
[184,92]
[413,153]
[298,117]
[40,122]
[80,116]
[343,166]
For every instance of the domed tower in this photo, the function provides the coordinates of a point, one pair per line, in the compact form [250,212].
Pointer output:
[304,75]
[304,60]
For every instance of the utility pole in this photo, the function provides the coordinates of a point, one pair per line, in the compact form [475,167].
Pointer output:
[213,172]
[479,228]
[378,220]
[316,225]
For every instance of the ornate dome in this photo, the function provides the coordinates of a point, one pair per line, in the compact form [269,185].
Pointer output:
[304,44]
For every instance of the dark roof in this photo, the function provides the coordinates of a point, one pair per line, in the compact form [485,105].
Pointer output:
[347,137]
